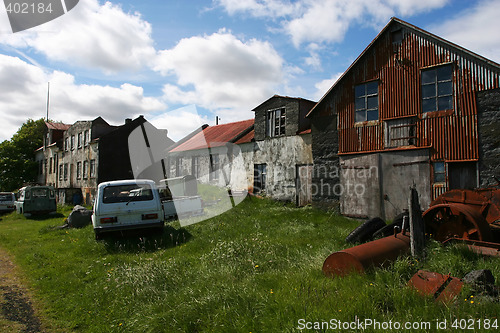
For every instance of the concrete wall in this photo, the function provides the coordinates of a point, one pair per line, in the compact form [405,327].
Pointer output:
[488,104]
[282,155]
[378,184]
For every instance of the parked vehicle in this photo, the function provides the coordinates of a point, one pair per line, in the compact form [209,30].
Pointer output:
[180,197]
[36,200]
[127,204]
[7,201]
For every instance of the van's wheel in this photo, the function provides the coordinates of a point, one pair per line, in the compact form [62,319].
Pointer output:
[365,231]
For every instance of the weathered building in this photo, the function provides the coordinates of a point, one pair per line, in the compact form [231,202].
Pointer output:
[282,154]
[212,154]
[80,156]
[404,112]
[270,155]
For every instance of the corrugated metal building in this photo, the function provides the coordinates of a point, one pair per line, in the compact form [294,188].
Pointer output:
[404,112]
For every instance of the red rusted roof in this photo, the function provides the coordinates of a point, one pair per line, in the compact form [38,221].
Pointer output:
[57,126]
[218,135]
[246,138]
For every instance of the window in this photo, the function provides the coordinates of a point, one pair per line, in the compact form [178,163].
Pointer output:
[86,138]
[92,168]
[366,101]
[439,172]
[214,167]
[85,169]
[61,172]
[127,193]
[66,171]
[178,166]
[275,123]
[50,165]
[195,166]
[72,142]
[259,178]
[400,132]
[78,170]
[437,89]
[80,140]
[66,144]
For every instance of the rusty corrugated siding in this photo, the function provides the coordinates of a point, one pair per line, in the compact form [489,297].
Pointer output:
[452,136]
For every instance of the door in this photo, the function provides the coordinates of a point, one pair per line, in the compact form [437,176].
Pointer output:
[303,184]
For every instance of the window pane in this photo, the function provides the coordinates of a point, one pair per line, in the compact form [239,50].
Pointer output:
[445,88]
[439,178]
[359,90]
[360,116]
[439,167]
[429,105]
[444,103]
[372,88]
[372,102]
[428,90]
[444,73]
[372,115]
[429,76]
[360,103]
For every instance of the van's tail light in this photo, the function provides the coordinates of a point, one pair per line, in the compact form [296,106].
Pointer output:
[108,219]
[152,216]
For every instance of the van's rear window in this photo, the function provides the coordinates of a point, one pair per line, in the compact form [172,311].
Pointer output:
[127,193]
[5,197]
[39,192]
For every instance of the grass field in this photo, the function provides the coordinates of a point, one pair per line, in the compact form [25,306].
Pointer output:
[255,268]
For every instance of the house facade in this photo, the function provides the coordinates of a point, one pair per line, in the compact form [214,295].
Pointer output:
[405,112]
[78,157]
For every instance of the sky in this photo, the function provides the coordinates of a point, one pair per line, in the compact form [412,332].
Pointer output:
[182,63]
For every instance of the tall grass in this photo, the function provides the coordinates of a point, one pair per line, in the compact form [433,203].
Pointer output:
[255,268]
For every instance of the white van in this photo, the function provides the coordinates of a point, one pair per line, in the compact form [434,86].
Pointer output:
[127,204]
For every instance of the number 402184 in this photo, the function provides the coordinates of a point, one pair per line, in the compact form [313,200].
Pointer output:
[28,8]
[473,324]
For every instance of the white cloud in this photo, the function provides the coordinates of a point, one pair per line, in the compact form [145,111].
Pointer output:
[23,95]
[475,29]
[323,86]
[327,21]
[179,122]
[220,71]
[91,36]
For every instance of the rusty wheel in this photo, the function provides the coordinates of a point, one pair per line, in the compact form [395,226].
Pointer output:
[454,220]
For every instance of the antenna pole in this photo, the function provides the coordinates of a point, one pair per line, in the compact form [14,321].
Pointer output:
[48,98]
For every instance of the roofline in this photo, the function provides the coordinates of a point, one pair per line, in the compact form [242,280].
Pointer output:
[279,96]
[187,137]
[410,26]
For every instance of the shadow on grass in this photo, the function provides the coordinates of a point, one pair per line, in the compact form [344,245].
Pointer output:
[43,217]
[145,240]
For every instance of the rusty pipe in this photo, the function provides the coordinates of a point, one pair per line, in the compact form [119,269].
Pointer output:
[357,259]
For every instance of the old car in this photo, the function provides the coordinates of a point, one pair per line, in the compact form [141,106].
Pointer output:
[7,201]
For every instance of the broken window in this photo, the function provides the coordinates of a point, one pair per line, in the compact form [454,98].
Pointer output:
[259,178]
[78,170]
[400,132]
[437,89]
[275,123]
[366,101]
[66,171]
[85,169]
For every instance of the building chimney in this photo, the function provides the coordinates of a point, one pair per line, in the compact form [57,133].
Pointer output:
[128,120]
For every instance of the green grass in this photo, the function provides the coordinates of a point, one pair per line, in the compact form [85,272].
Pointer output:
[255,268]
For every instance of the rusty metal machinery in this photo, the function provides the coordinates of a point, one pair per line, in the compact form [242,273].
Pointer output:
[465,214]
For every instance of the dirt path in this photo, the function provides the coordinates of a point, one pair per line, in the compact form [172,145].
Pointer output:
[16,310]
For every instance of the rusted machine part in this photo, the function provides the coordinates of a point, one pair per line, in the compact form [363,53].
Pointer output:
[485,201]
[454,220]
[483,248]
[357,259]
[443,288]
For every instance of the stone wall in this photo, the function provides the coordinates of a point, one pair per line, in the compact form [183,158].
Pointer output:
[488,105]
[325,178]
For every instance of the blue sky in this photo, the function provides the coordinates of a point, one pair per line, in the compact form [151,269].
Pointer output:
[181,63]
